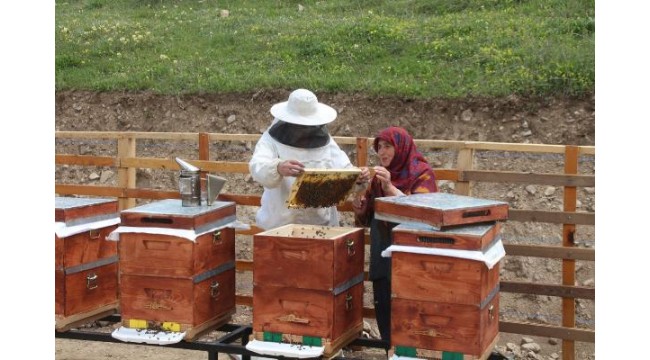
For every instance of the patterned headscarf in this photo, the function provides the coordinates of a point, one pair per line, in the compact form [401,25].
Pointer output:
[409,170]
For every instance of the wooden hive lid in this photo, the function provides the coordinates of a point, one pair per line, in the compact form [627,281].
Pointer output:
[72,210]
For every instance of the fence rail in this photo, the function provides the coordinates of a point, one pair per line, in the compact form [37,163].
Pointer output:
[463,175]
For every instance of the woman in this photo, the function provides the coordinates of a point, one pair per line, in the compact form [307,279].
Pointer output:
[402,171]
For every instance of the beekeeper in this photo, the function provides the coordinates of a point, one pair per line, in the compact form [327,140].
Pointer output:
[297,139]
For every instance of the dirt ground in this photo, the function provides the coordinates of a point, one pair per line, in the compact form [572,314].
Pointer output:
[563,121]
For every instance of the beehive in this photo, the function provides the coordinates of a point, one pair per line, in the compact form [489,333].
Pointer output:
[170,281]
[308,283]
[86,264]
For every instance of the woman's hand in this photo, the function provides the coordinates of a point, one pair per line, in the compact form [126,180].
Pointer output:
[383,175]
[290,168]
[365,175]
[359,204]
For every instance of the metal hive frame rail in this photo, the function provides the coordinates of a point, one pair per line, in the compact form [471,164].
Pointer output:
[464,176]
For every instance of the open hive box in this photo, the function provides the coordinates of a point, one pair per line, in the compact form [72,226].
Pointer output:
[316,188]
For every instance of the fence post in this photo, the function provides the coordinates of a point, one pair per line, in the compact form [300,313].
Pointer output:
[125,175]
[465,161]
[362,151]
[204,154]
[568,240]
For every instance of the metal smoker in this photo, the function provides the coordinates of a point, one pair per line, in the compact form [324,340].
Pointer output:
[189,184]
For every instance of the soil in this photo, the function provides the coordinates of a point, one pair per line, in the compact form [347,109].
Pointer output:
[514,119]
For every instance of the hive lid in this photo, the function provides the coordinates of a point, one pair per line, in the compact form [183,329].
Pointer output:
[439,209]
[316,188]
[75,211]
[175,207]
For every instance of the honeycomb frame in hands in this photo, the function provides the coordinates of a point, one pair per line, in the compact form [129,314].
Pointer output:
[320,188]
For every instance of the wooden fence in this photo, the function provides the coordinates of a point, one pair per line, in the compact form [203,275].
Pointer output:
[464,176]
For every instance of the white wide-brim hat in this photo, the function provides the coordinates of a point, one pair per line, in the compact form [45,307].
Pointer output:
[303,108]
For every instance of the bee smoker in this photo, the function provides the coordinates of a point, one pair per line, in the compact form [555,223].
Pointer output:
[189,184]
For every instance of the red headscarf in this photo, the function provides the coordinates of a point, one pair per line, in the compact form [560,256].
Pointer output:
[409,170]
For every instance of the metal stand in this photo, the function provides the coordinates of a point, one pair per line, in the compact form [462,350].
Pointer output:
[233,342]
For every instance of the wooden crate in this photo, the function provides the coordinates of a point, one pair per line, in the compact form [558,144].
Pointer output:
[308,256]
[424,354]
[464,237]
[439,210]
[444,279]
[86,264]
[467,329]
[175,256]
[335,319]
[196,304]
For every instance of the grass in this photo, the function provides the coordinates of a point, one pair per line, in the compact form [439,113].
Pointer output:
[413,48]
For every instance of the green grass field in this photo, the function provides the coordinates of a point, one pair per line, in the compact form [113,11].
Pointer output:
[412,48]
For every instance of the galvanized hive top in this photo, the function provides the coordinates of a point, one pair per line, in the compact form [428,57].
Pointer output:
[174,207]
[62,202]
[441,201]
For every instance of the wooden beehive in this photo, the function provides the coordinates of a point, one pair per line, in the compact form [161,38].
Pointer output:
[166,278]
[439,210]
[308,282]
[86,264]
[444,303]
[466,329]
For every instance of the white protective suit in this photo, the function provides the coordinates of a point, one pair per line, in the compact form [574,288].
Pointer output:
[263,167]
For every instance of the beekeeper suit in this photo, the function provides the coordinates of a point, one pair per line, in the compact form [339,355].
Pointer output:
[297,138]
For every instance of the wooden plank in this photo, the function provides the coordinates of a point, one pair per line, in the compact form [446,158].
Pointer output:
[245,300]
[362,151]
[496,146]
[573,292]
[103,191]
[116,135]
[465,161]
[204,154]
[421,143]
[553,252]
[253,200]
[252,231]
[125,174]
[244,265]
[152,194]
[167,164]
[446,174]
[528,178]
[233,137]
[85,160]
[569,265]
[555,217]
[566,333]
